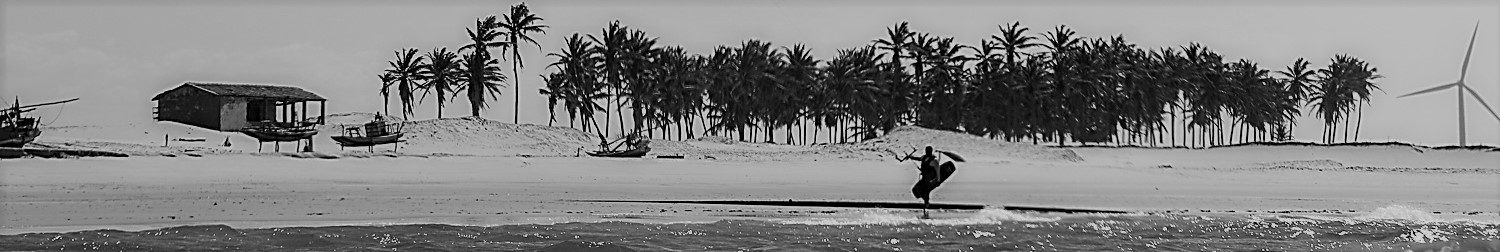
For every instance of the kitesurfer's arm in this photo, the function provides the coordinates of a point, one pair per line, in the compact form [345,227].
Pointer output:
[908,156]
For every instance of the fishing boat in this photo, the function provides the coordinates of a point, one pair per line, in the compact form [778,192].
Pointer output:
[280,134]
[20,134]
[638,148]
[16,130]
[629,153]
[357,141]
[277,132]
[376,132]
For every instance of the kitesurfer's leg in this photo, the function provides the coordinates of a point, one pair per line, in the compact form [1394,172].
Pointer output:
[925,204]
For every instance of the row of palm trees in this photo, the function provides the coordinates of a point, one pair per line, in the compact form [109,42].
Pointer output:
[472,70]
[1059,87]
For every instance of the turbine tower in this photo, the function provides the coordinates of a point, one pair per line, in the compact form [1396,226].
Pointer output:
[1461,88]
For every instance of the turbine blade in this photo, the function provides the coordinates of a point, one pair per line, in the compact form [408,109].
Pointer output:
[1481,101]
[1429,90]
[1465,71]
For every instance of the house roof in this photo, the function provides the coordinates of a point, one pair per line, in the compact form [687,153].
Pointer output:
[250,90]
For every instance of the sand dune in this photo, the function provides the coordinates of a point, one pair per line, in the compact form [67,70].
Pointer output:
[481,137]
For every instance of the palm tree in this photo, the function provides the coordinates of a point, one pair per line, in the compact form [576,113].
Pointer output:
[609,48]
[483,36]
[441,74]
[1205,91]
[1345,80]
[897,39]
[579,86]
[800,72]
[1357,79]
[641,62]
[406,69]
[857,78]
[554,91]
[1298,78]
[480,74]
[1013,39]
[386,81]
[1061,41]
[518,24]
[1297,81]
[1328,98]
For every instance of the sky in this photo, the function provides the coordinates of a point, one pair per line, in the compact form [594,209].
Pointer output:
[116,55]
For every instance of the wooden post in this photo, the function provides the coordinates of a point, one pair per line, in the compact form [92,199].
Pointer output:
[322,111]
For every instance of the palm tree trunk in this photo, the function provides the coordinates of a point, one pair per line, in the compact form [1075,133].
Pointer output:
[1346,129]
[770,133]
[1328,132]
[1333,129]
[1233,128]
[838,131]
[789,134]
[1248,134]
[609,100]
[1172,127]
[620,116]
[515,69]
[1360,121]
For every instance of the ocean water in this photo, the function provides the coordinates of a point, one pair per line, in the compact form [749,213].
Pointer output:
[1386,229]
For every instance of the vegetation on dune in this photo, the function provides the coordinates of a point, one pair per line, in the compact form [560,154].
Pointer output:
[405,74]
[1056,86]
[1059,87]
[440,75]
[517,26]
[472,71]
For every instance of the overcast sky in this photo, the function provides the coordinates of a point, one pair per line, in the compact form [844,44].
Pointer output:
[115,56]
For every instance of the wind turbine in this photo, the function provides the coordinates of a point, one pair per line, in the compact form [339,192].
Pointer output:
[1462,87]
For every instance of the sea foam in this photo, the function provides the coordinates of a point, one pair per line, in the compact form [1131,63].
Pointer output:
[1396,214]
[903,217]
[1399,213]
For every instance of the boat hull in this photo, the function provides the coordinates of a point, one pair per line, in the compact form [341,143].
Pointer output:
[18,138]
[280,135]
[348,141]
[631,153]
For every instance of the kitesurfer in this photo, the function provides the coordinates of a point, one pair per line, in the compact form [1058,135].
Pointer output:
[934,167]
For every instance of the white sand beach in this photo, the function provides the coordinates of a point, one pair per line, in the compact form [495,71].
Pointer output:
[470,172]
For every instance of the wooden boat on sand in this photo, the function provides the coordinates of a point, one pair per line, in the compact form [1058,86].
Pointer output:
[279,134]
[355,141]
[16,130]
[375,132]
[629,153]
